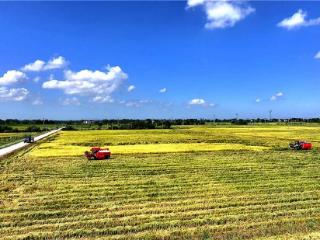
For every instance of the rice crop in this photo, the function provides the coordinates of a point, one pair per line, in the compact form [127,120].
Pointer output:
[184,183]
[52,149]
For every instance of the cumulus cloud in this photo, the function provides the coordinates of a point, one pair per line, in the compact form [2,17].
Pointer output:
[193,3]
[222,14]
[87,82]
[36,66]
[276,96]
[13,94]
[131,88]
[163,90]
[11,77]
[317,56]
[71,101]
[40,65]
[200,102]
[55,63]
[103,99]
[258,100]
[297,20]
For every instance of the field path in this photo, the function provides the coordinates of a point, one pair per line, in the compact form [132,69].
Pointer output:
[17,146]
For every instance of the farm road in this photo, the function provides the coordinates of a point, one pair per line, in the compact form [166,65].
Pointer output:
[17,146]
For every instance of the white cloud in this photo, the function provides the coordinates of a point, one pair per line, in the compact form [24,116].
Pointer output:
[222,14]
[71,101]
[89,82]
[200,102]
[317,56]
[55,63]
[131,88]
[193,3]
[40,65]
[12,76]
[13,94]
[102,99]
[197,101]
[37,102]
[297,20]
[35,66]
[276,96]
[163,90]
[258,100]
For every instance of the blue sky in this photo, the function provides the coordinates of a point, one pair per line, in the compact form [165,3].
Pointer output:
[82,60]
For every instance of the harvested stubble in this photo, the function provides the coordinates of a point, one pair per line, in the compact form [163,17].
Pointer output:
[225,194]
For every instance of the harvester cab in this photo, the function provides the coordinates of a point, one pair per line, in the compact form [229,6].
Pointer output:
[300,145]
[28,139]
[98,153]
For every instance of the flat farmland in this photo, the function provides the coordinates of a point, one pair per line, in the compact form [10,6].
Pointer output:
[9,138]
[197,182]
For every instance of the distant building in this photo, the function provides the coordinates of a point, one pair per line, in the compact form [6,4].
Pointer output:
[87,122]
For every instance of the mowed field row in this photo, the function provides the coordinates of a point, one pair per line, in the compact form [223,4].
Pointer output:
[225,193]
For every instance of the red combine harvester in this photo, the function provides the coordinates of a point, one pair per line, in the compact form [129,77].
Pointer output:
[98,153]
[300,145]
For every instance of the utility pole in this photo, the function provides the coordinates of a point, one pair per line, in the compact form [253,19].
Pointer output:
[270,115]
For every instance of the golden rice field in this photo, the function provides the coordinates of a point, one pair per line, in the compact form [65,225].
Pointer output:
[208,182]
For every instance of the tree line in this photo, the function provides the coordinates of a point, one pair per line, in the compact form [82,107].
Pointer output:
[32,128]
[38,125]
